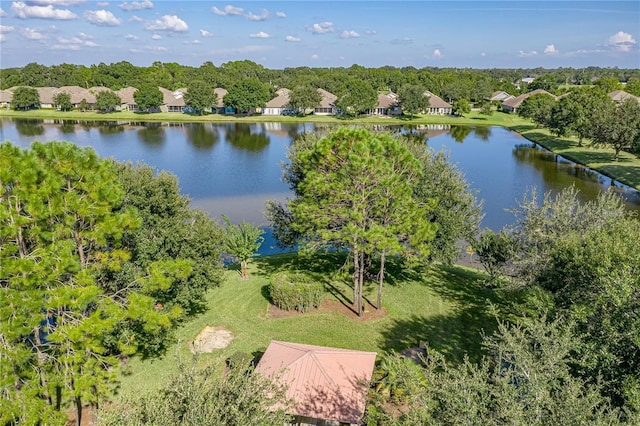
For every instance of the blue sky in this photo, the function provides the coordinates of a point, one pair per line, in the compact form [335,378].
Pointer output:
[278,34]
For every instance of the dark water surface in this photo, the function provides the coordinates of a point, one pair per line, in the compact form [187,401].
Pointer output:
[234,168]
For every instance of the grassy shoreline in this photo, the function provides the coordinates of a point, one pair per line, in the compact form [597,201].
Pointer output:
[600,159]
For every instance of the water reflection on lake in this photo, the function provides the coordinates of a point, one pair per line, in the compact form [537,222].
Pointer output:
[233,168]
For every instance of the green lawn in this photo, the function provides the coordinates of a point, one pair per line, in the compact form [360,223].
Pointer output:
[448,307]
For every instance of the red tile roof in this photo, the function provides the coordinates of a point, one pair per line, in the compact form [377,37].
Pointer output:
[324,383]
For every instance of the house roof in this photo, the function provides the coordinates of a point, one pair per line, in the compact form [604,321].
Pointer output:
[126,95]
[221,93]
[517,101]
[78,93]
[621,95]
[499,95]
[328,99]
[281,100]
[46,94]
[173,98]
[324,383]
[436,101]
[388,100]
[6,96]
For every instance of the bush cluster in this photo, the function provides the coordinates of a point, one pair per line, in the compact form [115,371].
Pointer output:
[294,291]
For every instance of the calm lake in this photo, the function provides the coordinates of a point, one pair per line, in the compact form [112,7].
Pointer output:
[234,168]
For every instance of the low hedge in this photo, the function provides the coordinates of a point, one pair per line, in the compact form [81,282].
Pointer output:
[295,292]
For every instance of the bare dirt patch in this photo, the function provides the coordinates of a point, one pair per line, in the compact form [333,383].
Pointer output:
[211,338]
[333,306]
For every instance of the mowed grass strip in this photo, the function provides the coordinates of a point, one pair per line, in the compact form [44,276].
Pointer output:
[448,307]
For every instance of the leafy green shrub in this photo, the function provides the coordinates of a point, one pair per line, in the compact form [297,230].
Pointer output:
[294,291]
[239,360]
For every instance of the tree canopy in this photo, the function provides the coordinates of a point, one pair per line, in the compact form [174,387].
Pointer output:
[62,101]
[200,96]
[303,98]
[355,191]
[25,98]
[148,97]
[107,101]
[246,95]
[62,224]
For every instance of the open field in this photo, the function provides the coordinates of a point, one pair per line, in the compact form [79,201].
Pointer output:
[448,307]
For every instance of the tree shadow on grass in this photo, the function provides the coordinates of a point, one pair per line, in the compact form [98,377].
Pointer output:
[522,127]
[454,334]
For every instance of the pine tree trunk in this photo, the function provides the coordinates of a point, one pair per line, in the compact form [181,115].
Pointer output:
[243,270]
[360,285]
[356,273]
[380,281]
[78,411]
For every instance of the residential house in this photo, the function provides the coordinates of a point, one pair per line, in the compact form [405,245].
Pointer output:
[327,104]
[328,386]
[6,97]
[278,105]
[387,105]
[173,101]
[620,96]
[221,109]
[511,105]
[500,96]
[46,95]
[437,105]
[78,94]
[127,102]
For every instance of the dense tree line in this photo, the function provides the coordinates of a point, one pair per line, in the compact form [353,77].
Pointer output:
[449,83]
[99,261]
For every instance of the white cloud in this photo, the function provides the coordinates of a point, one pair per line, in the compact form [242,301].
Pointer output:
[157,48]
[404,40]
[32,34]
[156,37]
[103,4]
[23,11]
[349,34]
[83,35]
[3,38]
[102,18]
[191,42]
[314,57]
[136,5]
[168,23]
[74,43]
[58,2]
[321,28]
[437,54]
[621,41]
[371,32]
[281,15]
[524,54]
[261,34]
[242,50]
[551,50]
[264,14]
[6,28]
[131,37]
[136,18]
[2,13]
[205,33]
[228,11]
[483,54]
[291,38]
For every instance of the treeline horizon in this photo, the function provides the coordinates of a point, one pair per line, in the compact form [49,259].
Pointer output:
[449,83]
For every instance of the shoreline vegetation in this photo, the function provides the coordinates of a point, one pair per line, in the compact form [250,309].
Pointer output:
[601,159]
